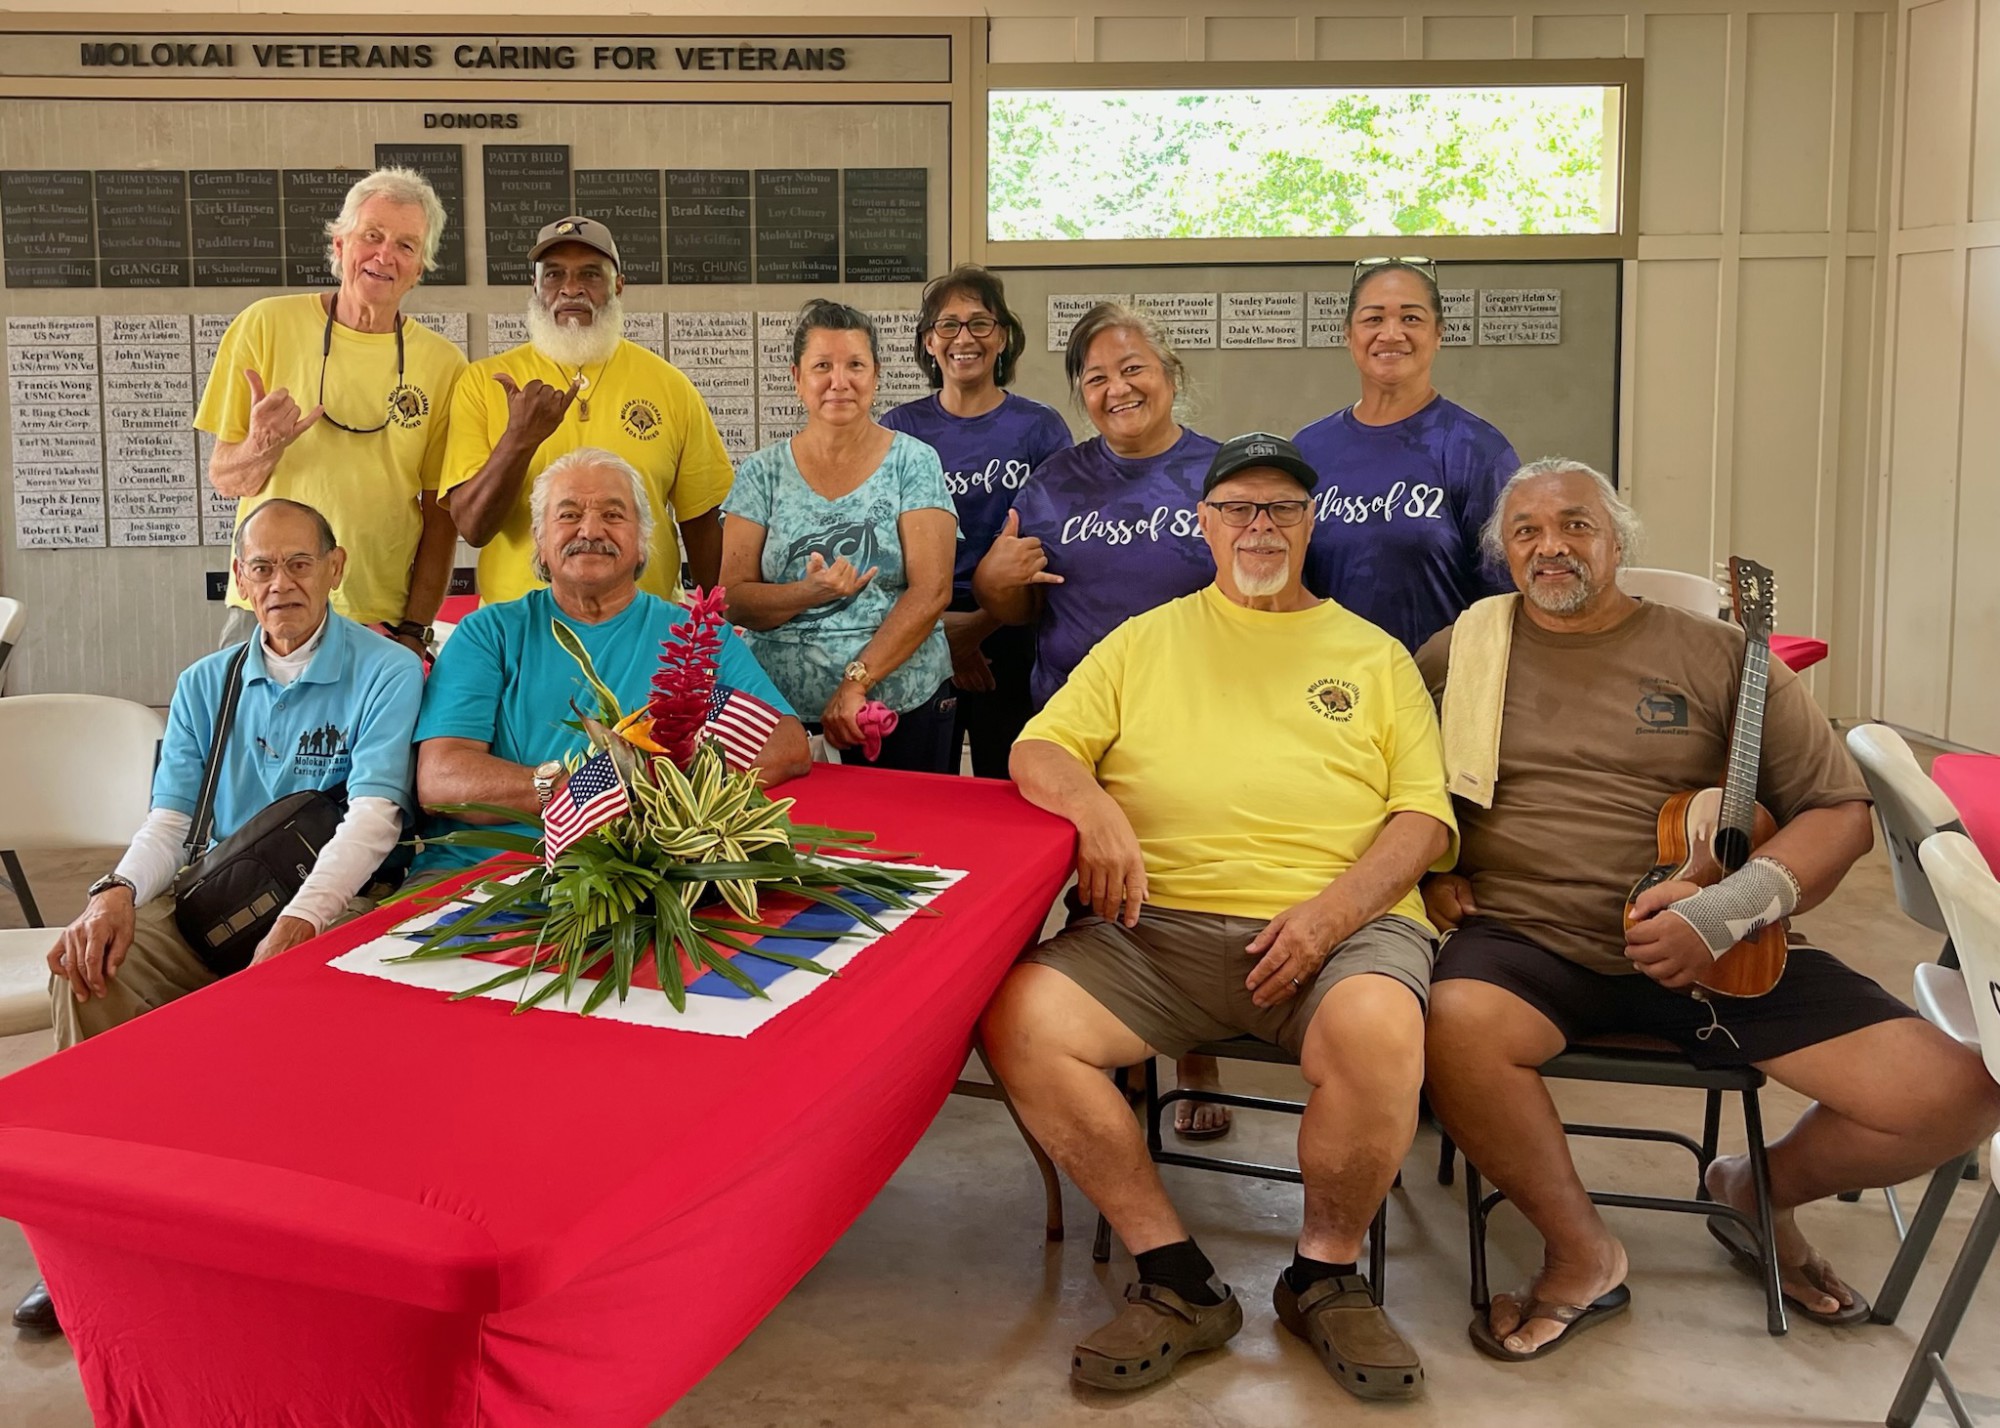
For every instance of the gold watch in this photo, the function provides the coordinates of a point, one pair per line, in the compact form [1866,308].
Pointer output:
[858,672]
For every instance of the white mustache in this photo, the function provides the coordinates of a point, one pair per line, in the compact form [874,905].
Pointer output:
[589,545]
[1562,563]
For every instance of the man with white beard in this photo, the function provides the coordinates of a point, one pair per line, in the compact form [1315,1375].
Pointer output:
[1256,783]
[577,382]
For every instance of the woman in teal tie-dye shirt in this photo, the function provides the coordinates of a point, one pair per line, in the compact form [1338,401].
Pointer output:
[837,554]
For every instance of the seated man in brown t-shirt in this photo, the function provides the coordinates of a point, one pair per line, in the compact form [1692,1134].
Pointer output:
[1610,707]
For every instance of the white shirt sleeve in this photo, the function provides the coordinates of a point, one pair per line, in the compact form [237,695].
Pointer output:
[358,846]
[157,853]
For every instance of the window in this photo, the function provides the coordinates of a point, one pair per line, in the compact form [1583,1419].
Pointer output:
[1068,164]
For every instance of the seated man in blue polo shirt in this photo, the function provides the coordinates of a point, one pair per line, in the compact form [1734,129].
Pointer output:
[324,702]
[493,728]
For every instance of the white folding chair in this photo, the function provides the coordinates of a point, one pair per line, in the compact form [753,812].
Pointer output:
[1970,897]
[76,771]
[13,619]
[1695,594]
[1910,808]
[441,630]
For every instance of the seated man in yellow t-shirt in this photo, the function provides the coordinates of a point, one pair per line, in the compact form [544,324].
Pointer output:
[1256,783]
[579,382]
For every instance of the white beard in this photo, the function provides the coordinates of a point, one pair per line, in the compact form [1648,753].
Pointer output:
[1258,587]
[571,345]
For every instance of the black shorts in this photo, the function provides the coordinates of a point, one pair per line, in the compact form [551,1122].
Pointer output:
[1818,998]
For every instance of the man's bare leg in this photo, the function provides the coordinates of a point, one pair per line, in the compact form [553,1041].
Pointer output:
[1891,1102]
[1484,1050]
[1051,1043]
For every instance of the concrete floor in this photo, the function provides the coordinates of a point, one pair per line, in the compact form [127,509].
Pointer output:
[943,1305]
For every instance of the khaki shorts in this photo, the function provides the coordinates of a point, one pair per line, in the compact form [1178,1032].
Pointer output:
[1177,979]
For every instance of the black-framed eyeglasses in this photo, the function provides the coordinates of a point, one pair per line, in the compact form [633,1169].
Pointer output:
[1427,266]
[1242,513]
[326,351]
[950,327]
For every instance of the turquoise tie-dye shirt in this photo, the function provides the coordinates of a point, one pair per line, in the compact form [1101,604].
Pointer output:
[806,655]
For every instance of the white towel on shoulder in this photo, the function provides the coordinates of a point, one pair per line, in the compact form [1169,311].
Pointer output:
[1475,693]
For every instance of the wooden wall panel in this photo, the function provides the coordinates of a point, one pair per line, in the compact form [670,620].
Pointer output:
[1673,419]
[1128,39]
[1252,37]
[1850,656]
[1579,36]
[1033,39]
[1937,114]
[1986,116]
[1788,124]
[1468,37]
[1975,625]
[1871,86]
[1358,37]
[1687,73]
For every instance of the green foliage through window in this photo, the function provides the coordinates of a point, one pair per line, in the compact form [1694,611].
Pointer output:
[1100,164]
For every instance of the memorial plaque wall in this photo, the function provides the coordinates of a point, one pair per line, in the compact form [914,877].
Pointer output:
[51,238]
[627,201]
[527,186]
[708,225]
[798,225]
[444,166]
[312,199]
[142,228]
[887,226]
[239,239]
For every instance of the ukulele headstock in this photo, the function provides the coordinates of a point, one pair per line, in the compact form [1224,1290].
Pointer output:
[1753,596]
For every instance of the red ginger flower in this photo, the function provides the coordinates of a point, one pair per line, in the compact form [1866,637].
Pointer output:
[685,682]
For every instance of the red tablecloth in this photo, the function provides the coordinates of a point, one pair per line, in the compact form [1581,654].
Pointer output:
[1972,783]
[306,1197]
[1797,652]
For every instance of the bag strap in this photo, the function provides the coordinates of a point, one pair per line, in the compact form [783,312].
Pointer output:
[211,774]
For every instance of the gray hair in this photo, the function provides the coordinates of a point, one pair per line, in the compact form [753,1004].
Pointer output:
[320,523]
[1624,520]
[1116,317]
[596,459]
[826,315]
[398,186]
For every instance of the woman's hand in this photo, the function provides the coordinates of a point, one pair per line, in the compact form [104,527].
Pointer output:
[838,721]
[837,581]
[971,671]
[1016,560]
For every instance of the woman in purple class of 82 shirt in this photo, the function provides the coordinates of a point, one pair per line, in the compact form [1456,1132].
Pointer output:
[1407,478]
[968,345]
[1105,531]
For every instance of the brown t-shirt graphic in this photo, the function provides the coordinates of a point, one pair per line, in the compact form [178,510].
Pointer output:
[1600,730]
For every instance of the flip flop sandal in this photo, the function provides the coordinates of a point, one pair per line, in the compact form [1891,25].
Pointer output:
[1815,1271]
[1154,1332]
[1575,1318]
[1215,1132]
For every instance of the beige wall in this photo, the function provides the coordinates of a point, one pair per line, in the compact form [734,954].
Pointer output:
[1939,575]
[1752,320]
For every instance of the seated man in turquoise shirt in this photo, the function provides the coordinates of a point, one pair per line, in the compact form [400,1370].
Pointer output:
[498,698]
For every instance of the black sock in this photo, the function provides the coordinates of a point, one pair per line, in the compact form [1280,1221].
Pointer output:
[1305,1273]
[1183,1268]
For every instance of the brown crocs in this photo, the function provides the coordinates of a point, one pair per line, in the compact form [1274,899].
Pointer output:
[1352,1336]
[1152,1333]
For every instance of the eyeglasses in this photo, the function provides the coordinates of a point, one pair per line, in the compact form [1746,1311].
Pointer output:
[1242,513]
[950,327]
[326,351]
[263,572]
[1427,266]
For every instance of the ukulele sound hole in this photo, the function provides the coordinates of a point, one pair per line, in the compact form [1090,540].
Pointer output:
[1732,848]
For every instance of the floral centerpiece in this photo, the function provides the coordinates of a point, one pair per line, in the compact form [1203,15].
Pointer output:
[660,845]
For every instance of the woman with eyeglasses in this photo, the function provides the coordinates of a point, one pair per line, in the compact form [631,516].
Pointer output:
[1106,530]
[1407,478]
[988,439]
[837,557]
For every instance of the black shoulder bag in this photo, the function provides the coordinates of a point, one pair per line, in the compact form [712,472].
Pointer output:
[227,899]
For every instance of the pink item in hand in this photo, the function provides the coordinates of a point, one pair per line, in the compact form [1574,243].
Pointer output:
[877,722]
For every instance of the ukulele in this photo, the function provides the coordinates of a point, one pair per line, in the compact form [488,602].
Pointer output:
[1706,834]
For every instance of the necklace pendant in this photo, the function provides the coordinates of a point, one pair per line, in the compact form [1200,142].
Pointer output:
[583,408]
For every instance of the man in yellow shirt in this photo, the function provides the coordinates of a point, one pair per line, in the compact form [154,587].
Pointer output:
[1256,782]
[578,382]
[337,401]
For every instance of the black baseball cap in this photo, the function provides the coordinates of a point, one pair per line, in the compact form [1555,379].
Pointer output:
[576,229]
[1258,451]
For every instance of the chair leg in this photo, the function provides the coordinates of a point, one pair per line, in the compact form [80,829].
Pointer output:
[1475,1234]
[1943,1327]
[1447,1157]
[1711,1135]
[1378,1252]
[1052,1200]
[1100,1246]
[1767,1230]
[1917,1242]
[19,881]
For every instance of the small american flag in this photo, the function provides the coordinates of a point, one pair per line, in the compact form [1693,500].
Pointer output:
[592,798]
[742,722]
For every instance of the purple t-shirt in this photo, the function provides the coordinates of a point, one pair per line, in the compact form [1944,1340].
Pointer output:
[1123,537]
[986,460]
[1398,512]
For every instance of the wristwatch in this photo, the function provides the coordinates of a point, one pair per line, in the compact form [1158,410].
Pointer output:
[547,776]
[110,881]
[858,672]
[411,630]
